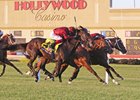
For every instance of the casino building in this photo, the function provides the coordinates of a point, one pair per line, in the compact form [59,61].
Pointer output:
[27,19]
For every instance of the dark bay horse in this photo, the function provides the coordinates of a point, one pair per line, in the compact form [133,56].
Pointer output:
[117,43]
[33,48]
[81,58]
[7,39]
[66,50]
[100,58]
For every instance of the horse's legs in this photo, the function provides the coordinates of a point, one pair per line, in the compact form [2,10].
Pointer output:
[113,70]
[3,71]
[88,67]
[41,65]
[30,63]
[57,68]
[113,80]
[6,61]
[108,68]
[75,74]
[63,68]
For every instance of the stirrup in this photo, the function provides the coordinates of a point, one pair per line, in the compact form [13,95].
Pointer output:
[42,48]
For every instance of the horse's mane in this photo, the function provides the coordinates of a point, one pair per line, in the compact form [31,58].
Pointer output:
[4,36]
[66,48]
[14,47]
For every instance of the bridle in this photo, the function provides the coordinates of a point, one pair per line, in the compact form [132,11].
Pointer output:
[117,44]
[9,40]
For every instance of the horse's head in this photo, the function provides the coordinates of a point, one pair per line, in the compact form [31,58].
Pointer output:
[85,37]
[8,38]
[101,44]
[118,44]
[109,48]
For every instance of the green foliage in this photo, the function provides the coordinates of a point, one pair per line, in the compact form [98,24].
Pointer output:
[125,61]
[86,87]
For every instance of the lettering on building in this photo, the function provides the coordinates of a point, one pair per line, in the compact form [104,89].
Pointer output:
[41,9]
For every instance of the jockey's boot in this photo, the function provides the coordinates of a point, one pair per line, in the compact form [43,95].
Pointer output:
[53,56]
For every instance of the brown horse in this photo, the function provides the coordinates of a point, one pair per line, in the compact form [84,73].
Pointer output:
[7,39]
[100,58]
[33,48]
[81,58]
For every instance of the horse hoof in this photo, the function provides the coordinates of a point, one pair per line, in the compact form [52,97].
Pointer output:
[105,83]
[122,78]
[55,74]
[1,75]
[115,82]
[36,80]
[48,77]
[60,81]
[69,82]
[52,79]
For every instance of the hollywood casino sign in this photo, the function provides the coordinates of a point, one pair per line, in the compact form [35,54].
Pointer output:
[39,8]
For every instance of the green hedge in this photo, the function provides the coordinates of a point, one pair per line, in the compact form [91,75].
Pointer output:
[125,61]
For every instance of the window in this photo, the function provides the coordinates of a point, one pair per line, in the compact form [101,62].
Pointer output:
[20,40]
[125,4]
[17,33]
[37,33]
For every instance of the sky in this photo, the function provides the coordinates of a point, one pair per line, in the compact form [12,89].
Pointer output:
[126,4]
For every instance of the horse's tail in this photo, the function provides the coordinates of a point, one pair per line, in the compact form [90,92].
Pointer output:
[15,47]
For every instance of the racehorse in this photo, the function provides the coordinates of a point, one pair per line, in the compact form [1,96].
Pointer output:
[33,48]
[78,58]
[117,43]
[7,39]
[66,50]
[100,58]
[82,58]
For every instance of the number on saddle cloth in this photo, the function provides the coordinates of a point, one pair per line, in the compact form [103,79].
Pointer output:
[49,45]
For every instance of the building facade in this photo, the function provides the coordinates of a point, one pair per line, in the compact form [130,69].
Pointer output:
[27,19]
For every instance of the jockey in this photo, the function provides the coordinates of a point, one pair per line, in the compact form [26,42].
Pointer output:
[57,36]
[1,33]
[97,35]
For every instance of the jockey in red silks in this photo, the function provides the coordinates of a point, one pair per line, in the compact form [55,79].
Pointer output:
[57,36]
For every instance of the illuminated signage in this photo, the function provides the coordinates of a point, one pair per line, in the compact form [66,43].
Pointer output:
[132,33]
[133,46]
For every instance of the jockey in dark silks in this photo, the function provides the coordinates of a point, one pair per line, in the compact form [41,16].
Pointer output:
[97,35]
[58,35]
[1,33]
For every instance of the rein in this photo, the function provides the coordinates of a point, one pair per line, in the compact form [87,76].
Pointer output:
[109,43]
[116,44]
[74,48]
